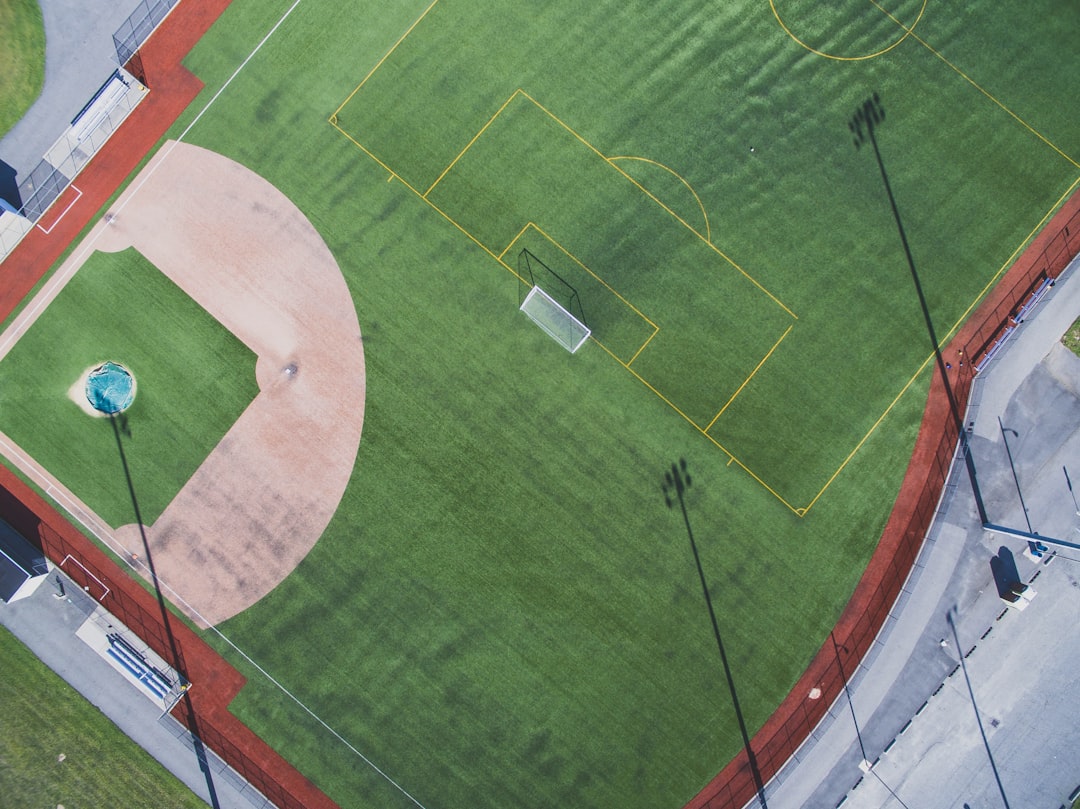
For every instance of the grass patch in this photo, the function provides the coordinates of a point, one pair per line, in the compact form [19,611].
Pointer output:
[22,59]
[502,611]
[194,379]
[1071,338]
[45,718]
[502,601]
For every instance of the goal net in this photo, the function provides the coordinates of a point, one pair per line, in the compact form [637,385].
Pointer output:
[552,302]
[550,316]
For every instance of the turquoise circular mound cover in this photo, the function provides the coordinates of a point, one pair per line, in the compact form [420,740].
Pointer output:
[110,388]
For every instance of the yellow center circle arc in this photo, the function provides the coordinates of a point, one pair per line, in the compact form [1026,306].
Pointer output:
[906,29]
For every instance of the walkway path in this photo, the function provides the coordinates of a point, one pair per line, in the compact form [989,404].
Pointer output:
[79,57]
[47,625]
[914,713]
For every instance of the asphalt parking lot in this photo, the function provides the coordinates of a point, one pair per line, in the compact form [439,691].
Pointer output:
[1012,739]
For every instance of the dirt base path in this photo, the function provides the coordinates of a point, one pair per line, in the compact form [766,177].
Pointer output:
[246,254]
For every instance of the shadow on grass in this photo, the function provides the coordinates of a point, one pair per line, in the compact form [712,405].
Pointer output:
[120,428]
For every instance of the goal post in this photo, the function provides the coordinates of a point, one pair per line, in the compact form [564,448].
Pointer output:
[549,315]
[552,302]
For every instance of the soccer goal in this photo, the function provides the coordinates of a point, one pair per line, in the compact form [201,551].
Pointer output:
[549,315]
[552,302]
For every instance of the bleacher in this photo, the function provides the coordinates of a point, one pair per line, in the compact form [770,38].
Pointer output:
[151,678]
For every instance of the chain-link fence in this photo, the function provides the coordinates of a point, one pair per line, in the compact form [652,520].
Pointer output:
[936,448]
[96,122]
[203,710]
[138,27]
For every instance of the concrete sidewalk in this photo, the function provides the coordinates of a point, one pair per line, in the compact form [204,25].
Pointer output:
[911,715]
[47,624]
[79,57]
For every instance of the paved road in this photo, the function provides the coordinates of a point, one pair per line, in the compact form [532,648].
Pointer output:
[79,57]
[47,625]
[910,700]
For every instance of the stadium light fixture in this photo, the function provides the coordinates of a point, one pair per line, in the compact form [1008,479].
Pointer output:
[676,482]
[865,766]
[975,706]
[120,426]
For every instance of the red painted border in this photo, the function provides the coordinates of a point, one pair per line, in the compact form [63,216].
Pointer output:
[215,682]
[173,88]
[797,716]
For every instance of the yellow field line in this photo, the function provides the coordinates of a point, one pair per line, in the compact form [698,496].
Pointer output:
[475,138]
[645,191]
[978,87]
[499,259]
[656,331]
[385,56]
[681,179]
[746,381]
[731,458]
[952,330]
[514,240]
[559,246]
[1010,260]
[869,432]
[393,174]
[585,267]
[873,55]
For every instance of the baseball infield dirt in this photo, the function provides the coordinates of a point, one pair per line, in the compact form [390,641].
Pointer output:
[262,498]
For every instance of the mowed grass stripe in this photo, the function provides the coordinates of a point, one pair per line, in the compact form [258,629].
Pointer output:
[498,604]
[715,324]
[44,719]
[503,611]
[22,59]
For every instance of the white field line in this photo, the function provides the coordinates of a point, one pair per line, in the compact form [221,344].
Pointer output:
[48,230]
[76,508]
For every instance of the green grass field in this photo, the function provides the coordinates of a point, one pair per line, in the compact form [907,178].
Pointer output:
[45,718]
[194,380]
[503,612]
[22,59]
[1071,338]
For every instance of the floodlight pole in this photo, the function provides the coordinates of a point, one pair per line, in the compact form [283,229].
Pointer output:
[863,126]
[1012,466]
[847,691]
[177,661]
[1068,482]
[677,480]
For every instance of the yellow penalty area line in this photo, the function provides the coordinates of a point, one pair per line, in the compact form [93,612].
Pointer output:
[869,432]
[731,457]
[746,381]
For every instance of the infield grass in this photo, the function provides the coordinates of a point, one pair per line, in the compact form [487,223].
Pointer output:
[503,612]
[45,718]
[193,379]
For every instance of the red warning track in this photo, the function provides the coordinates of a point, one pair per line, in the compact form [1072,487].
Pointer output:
[913,512]
[215,682]
[172,88]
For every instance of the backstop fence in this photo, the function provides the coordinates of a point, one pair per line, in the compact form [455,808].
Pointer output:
[95,124]
[913,513]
